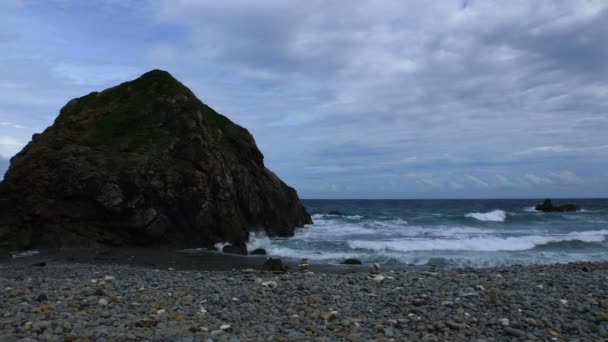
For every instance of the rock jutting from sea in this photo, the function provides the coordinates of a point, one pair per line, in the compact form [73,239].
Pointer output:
[143,163]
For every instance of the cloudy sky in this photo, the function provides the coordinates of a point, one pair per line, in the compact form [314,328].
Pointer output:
[346,99]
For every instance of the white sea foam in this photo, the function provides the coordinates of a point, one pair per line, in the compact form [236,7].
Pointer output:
[258,240]
[308,254]
[531,209]
[493,216]
[330,230]
[480,244]
[220,246]
[24,254]
[324,216]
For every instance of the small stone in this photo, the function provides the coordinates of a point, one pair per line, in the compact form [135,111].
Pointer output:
[493,296]
[271,283]
[514,332]
[504,322]
[456,326]
[447,303]
[379,278]
[601,317]
[42,297]
[103,302]
[108,278]
[225,327]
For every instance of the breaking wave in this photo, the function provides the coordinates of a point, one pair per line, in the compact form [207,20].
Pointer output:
[480,244]
[492,216]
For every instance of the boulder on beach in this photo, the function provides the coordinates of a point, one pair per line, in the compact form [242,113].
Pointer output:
[258,251]
[274,265]
[238,247]
[547,206]
[143,163]
[351,261]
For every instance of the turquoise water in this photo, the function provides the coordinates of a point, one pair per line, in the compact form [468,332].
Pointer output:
[447,232]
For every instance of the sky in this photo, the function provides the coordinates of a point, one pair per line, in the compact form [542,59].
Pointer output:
[346,99]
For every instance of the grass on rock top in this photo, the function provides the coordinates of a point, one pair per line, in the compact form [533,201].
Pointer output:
[135,112]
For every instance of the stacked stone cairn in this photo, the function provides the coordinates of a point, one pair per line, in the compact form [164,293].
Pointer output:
[304,266]
[374,273]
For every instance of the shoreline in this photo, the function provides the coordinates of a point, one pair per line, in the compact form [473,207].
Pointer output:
[105,301]
[186,260]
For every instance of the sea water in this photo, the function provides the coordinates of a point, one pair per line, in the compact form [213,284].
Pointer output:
[447,232]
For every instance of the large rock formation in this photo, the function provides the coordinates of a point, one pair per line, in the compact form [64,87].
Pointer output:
[142,163]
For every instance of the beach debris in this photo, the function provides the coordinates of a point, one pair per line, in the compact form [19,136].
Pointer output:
[304,266]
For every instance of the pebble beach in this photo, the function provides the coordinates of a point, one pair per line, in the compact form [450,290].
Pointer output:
[71,301]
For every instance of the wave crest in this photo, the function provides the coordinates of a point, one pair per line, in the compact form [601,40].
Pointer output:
[492,216]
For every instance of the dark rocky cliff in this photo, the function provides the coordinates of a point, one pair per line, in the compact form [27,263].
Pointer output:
[142,163]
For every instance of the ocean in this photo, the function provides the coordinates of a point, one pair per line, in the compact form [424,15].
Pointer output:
[448,233]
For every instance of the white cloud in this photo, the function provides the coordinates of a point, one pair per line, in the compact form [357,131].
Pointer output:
[9,146]
[95,74]
[455,185]
[478,182]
